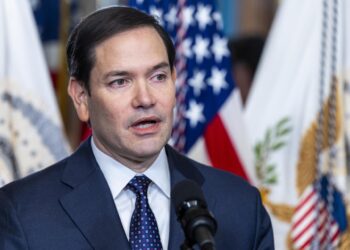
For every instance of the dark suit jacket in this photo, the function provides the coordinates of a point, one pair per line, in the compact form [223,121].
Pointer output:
[69,206]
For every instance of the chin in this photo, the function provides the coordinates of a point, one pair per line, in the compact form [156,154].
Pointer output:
[148,149]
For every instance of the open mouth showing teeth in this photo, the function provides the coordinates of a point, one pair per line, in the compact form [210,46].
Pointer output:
[145,124]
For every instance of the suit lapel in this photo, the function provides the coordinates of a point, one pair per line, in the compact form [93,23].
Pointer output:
[181,168]
[90,204]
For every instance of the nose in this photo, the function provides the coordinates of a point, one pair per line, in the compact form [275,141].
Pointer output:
[143,97]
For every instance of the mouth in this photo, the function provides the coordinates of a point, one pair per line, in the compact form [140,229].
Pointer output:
[146,124]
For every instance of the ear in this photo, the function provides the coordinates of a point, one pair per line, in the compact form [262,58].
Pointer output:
[79,95]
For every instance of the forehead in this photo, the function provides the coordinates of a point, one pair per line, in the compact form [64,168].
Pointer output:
[141,42]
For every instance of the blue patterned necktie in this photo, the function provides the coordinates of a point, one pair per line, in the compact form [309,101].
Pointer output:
[144,232]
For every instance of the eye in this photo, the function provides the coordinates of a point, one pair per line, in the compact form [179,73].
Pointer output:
[160,77]
[118,82]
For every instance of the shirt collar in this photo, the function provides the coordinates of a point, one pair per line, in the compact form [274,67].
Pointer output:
[118,176]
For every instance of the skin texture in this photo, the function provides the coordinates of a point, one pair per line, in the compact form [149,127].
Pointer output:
[130,108]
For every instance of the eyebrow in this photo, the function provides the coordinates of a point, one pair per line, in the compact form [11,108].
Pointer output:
[125,73]
[160,66]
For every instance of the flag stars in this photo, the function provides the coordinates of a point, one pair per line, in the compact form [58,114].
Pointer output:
[218,20]
[157,13]
[200,49]
[203,16]
[203,54]
[217,80]
[188,16]
[170,17]
[219,48]
[195,113]
[186,47]
[197,82]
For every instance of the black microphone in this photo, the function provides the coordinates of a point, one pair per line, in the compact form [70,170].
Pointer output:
[198,223]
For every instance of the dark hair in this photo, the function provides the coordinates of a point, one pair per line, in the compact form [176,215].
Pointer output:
[98,27]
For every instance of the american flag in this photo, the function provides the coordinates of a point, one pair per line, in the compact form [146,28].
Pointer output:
[320,217]
[204,83]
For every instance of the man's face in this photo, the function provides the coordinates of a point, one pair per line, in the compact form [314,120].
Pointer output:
[132,97]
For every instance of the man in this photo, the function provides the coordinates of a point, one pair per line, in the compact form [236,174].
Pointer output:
[122,83]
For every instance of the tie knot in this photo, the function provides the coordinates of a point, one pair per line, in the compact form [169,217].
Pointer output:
[139,184]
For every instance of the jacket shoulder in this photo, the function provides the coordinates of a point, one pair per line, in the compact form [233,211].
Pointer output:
[215,178]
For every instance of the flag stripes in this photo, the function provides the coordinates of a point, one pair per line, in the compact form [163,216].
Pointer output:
[312,222]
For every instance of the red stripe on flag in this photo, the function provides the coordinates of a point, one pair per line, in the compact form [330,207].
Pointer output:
[306,214]
[305,200]
[306,228]
[323,231]
[221,151]
[307,243]
[335,236]
[328,232]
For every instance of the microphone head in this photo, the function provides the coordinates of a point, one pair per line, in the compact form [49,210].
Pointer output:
[191,209]
[187,190]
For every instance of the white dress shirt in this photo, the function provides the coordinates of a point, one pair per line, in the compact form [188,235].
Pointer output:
[118,176]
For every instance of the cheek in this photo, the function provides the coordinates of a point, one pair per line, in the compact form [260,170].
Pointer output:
[100,112]
[109,121]
[167,100]
[170,96]
[170,108]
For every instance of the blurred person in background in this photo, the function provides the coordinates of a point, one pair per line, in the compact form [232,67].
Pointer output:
[245,55]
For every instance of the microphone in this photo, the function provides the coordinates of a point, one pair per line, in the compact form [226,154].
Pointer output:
[198,223]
